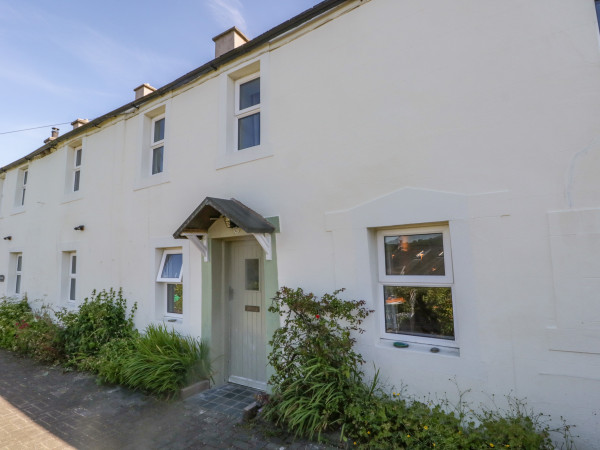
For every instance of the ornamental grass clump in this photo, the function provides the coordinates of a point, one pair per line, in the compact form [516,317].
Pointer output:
[162,361]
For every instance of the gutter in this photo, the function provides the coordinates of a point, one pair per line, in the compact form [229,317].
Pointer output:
[210,66]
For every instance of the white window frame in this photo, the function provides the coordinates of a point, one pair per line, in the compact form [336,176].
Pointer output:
[22,179]
[241,113]
[157,144]
[77,169]
[446,280]
[18,273]
[72,276]
[166,281]
[162,265]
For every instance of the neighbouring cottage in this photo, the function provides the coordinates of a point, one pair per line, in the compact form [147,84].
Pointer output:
[439,159]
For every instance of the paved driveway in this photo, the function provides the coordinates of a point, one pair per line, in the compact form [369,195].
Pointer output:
[44,407]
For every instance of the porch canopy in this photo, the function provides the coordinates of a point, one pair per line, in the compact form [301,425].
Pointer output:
[236,214]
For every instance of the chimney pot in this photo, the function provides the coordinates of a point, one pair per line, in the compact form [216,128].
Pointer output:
[53,136]
[142,90]
[79,122]
[228,40]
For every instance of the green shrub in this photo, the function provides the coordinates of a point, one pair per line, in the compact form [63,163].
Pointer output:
[112,357]
[39,337]
[98,320]
[163,361]
[13,316]
[316,368]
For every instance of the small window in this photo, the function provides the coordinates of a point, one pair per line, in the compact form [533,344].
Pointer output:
[415,274]
[157,144]
[252,275]
[169,278]
[22,179]
[77,169]
[73,277]
[18,272]
[247,112]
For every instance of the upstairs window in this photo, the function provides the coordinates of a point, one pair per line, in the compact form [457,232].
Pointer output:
[247,112]
[22,178]
[415,275]
[157,144]
[77,154]
[169,276]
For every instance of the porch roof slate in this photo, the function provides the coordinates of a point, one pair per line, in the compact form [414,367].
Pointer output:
[212,208]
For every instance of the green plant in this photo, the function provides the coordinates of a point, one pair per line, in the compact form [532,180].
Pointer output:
[163,361]
[98,320]
[316,368]
[112,357]
[13,315]
[39,337]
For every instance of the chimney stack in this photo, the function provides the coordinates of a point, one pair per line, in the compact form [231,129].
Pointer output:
[228,40]
[79,122]
[143,89]
[53,136]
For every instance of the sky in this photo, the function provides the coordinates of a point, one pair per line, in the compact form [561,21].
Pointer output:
[66,59]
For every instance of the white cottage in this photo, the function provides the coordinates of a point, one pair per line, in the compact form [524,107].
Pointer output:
[439,159]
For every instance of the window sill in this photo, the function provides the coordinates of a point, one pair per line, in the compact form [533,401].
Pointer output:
[150,181]
[443,349]
[18,210]
[173,320]
[71,197]
[237,157]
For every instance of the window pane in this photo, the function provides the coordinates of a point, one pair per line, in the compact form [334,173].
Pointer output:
[415,254]
[23,197]
[252,271]
[175,298]
[159,130]
[422,311]
[172,267]
[157,160]
[76,181]
[72,290]
[74,264]
[78,158]
[249,131]
[25,177]
[18,285]
[19,263]
[250,93]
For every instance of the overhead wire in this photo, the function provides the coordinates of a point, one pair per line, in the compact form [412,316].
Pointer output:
[34,128]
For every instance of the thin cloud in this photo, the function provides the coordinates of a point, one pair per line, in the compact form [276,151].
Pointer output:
[228,13]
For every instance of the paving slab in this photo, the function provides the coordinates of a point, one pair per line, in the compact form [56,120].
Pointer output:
[44,407]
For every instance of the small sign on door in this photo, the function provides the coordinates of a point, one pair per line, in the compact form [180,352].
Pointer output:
[252,308]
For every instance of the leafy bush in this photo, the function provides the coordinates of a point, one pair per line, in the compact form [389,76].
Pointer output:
[13,314]
[98,320]
[112,357]
[316,368]
[39,337]
[162,361]
[318,385]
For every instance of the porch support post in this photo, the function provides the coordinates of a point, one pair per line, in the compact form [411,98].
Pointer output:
[202,245]
[264,239]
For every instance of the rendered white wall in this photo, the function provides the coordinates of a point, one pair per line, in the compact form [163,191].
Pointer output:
[480,114]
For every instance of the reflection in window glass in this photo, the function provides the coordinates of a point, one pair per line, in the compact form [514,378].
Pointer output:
[414,254]
[250,93]
[175,298]
[157,160]
[422,311]
[252,278]
[249,131]
[172,267]
[159,130]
